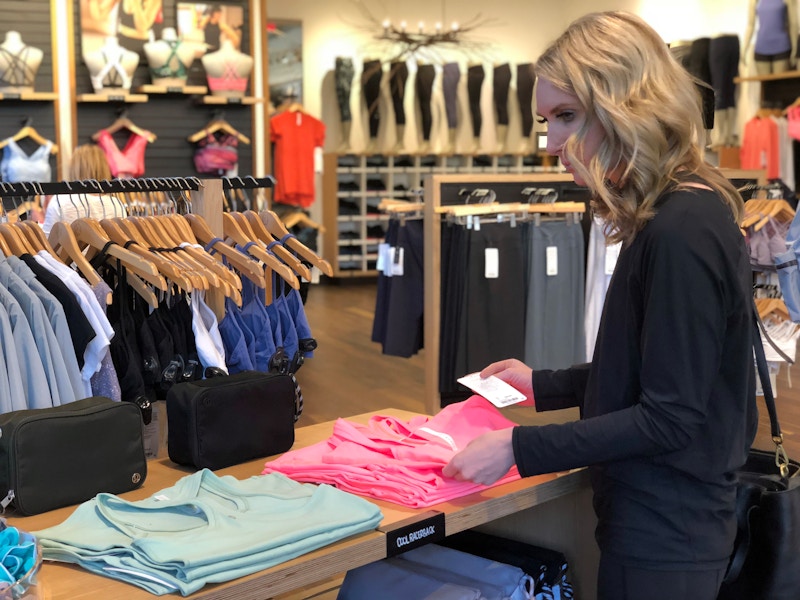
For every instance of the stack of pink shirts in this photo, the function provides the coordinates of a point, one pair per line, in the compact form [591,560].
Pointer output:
[394,460]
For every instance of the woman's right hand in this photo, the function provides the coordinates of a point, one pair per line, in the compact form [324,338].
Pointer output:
[515,373]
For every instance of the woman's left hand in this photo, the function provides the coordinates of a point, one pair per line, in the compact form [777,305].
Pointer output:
[486,459]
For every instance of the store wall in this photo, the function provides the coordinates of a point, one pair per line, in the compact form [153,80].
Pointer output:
[515,31]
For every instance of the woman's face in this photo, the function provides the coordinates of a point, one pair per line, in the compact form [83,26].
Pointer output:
[564,115]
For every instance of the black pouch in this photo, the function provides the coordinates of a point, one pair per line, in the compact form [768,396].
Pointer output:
[54,457]
[224,421]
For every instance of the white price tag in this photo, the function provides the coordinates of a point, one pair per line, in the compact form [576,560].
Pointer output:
[495,390]
[612,254]
[397,261]
[551,265]
[492,257]
[383,250]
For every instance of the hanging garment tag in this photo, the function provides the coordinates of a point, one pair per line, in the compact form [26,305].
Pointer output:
[551,264]
[492,263]
[612,254]
[383,249]
[494,389]
[397,261]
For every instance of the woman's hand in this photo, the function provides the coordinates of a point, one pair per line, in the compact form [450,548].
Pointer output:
[485,459]
[515,373]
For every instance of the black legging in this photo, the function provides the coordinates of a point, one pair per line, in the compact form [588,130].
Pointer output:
[343,79]
[501,81]
[451,73]
[475,77]
[371,82]
[525,80]
[425,75]
[398,75]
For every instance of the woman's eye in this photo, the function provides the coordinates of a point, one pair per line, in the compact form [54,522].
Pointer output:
[541,120]
[566,116]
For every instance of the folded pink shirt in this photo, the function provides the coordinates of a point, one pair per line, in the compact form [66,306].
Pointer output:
[395,460]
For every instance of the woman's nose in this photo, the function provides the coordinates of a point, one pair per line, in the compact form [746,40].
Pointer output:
[552,147]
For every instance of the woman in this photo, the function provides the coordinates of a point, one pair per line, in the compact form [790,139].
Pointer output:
[88,162]
[667,403]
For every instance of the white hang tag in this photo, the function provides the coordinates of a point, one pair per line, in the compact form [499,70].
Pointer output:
[397,261]
[380,264]
[612,254]
[494,389]
[551,264]
[492,258]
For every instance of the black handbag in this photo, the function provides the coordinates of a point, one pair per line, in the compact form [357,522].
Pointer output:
[228,420]
[766,561]
[54,457]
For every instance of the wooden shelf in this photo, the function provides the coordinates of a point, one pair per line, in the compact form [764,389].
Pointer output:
[770,77]
[29,96]
[188,90]
[231,100]
[122,97]
[61,581]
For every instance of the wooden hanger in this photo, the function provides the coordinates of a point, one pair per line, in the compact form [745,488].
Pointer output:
[203,234]
[123,122]
[254,228]
[218,276]
[4,247]
[89,232]
[768,306]
[233,231]
[62,237]
[298,217]
[17,244]
[274,225]
[218,125]
[161,245]
[27,131]
[121,236]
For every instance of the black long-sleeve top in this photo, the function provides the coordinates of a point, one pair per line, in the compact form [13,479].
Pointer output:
[668,402]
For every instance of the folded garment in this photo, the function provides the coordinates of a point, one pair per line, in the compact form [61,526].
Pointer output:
[395,460]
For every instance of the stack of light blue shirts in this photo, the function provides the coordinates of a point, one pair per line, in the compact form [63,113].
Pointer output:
[205,529]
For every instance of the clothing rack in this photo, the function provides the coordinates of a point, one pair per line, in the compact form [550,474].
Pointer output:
[247,183]
[93,186]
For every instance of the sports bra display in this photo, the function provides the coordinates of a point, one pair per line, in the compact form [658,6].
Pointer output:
[18,71]
[172,67]
[128,162]
[17,165]
[229,81]
[217,156]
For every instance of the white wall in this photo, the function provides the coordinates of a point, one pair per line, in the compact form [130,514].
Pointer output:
[515,31]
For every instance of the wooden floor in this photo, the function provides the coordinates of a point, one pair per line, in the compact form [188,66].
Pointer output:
[349,375]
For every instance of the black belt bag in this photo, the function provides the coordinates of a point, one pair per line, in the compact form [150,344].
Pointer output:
[228,420]
[54,457]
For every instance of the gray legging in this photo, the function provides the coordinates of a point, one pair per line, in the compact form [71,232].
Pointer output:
[343,77]
[451,73]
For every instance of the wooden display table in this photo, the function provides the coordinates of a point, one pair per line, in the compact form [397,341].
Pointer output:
[513,500]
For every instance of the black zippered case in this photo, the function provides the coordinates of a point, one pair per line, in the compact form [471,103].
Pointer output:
[54,457]
[227,420]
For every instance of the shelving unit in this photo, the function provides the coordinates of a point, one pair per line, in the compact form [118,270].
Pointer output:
[121,97]
[354,185]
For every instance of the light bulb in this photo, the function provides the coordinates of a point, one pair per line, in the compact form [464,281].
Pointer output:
[403,26]
[454,26]
[438,27]
[421,26]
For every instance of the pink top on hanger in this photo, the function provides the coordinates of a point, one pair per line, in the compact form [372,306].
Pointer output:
[128,162]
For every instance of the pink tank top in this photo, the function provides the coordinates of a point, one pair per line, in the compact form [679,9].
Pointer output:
[229,81]
[128,162]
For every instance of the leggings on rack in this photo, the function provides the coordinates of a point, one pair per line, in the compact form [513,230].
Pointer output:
[371,82]
[343,78]
[425,76]
[501,81]
[398,76]
[554,321]
[525,81]
[475,77]
[451,73]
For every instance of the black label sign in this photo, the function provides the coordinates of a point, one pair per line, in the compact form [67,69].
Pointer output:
[412,533]
[116,98]
[174,90]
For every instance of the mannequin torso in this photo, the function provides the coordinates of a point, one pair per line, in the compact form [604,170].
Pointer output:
[227,71]
[18,64]
[169,59]
[111,67]
[775,37]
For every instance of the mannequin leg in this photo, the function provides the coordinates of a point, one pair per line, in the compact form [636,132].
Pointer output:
[345,145]
[780,66]
[763,67]
[399,143]
[451,141]
[502,134]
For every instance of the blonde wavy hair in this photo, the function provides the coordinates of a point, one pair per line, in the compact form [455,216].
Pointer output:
[649,108]
[88,162]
